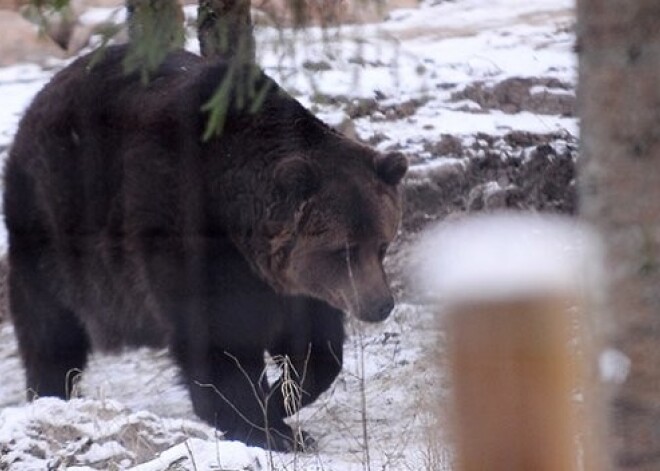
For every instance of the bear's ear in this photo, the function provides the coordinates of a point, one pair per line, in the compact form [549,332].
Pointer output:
[391,167]
[298,178]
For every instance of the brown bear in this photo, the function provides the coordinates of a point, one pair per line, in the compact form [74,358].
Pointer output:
[127,227]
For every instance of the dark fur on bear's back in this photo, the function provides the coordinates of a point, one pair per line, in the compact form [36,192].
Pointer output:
[126,228]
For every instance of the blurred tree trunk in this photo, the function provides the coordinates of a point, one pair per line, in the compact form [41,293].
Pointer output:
[159,22]
[225,30]
[155,27]
[619,42]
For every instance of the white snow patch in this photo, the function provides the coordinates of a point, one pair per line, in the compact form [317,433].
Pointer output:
[505,256]
[99,15]
[542,90]
[614,366]
[50,433]
[195,453]
[18,85]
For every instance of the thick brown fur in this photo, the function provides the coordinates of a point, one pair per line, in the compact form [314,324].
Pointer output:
[126,228]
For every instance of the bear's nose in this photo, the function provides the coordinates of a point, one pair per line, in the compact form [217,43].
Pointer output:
[381,311]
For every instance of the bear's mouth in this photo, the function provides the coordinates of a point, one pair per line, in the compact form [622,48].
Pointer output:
[374,313]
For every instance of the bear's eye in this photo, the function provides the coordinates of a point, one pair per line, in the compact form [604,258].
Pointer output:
[382,250]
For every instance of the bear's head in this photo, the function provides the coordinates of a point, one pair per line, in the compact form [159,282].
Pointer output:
[347,211]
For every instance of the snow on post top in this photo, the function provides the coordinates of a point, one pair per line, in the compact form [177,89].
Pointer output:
[504,256]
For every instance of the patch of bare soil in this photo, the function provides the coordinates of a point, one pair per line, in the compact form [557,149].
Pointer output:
[540,95]
[373,108]
[518,171]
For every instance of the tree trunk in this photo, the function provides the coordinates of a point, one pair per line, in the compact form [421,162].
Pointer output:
[225,30]
[619,43]
[158,22]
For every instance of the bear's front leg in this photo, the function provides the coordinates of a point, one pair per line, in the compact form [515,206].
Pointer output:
[229,391]
[310,352]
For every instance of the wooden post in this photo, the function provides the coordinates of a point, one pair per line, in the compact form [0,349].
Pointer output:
[523,369]
[514,379]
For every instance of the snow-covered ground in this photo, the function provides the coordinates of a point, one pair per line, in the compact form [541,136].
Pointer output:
[449,68]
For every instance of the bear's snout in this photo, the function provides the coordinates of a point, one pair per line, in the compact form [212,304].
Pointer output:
[376,311]
[384,310]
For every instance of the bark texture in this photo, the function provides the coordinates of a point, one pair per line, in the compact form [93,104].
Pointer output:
[225,30]
[160,22]
[619,43]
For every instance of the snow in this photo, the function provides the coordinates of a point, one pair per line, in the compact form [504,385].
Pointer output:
[94,16]
[453,43]
[136,415]
[507,256]
[614,366]
[18,85]
[413,54]
[202,454]
[84,432]
[537,89]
